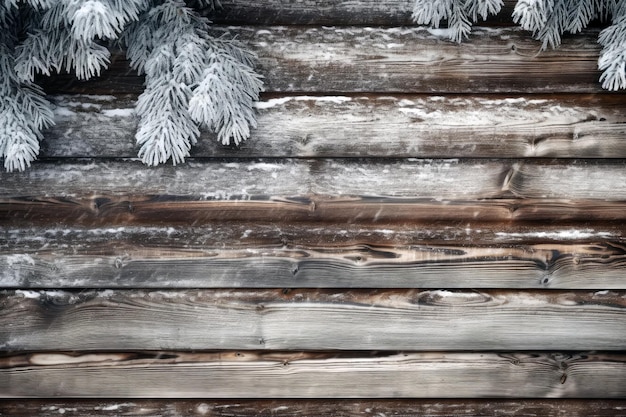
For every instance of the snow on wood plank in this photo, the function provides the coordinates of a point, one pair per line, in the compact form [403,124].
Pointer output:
[313,408]
[314,375]
[435,180]
[393,60]
[565,126]
[310,319]
[153,258]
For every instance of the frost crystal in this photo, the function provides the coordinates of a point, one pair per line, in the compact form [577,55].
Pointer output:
[193,79]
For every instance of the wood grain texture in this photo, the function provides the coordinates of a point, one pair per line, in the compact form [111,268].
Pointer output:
[466,191]
[565,126]
[313,256]
[312,320]
[314,375]
[392,60]
[434,180]
[328,12]
[313,408]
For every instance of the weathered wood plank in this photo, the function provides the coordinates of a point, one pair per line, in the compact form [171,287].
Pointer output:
[101,210]
[314,408]
[312,256]
[312,320]
[393,60]
[314,375]
[289,179]
[101,192]
[328,12]
[579,126]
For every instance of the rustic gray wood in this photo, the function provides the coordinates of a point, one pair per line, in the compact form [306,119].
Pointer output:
[564,126]
[313,408]
[328,12]
[285,180]
[314,375]
[256,255]
[393,60]
[312,320]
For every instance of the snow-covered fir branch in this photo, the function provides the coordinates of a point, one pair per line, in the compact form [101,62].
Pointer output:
[458,13]
[193,80]
[548,20]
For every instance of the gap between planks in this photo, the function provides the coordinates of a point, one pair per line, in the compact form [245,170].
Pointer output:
[313,408]
[330,12]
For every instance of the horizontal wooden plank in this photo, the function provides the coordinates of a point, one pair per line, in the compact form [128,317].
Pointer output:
[392,60]
[306,319]
[328,12]
[314,408]
[565,126]
[105,192]
[101,210]
[434,180]
[256,255]
[314,375]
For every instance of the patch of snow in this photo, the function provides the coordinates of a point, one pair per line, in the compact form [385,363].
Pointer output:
[63,111]
[261,105]
[414,111]
[20,259]
[561,234]
[441,33]
[262,166]
[29,294]
[99,97]
[128,112]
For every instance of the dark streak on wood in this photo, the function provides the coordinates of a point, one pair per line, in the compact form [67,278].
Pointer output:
[328,12]
[313,408]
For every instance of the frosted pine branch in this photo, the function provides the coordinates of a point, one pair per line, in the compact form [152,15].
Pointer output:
[171,45]
[166,40]
[458,13]
[24,113]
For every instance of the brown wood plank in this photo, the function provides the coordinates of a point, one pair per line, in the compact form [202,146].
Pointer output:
[565,126]
[314,375]
[101,210]
[307,319]
[314,408]
[328,12]
[313,256]
[393,60]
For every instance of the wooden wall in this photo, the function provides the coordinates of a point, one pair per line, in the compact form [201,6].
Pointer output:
[415,228]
